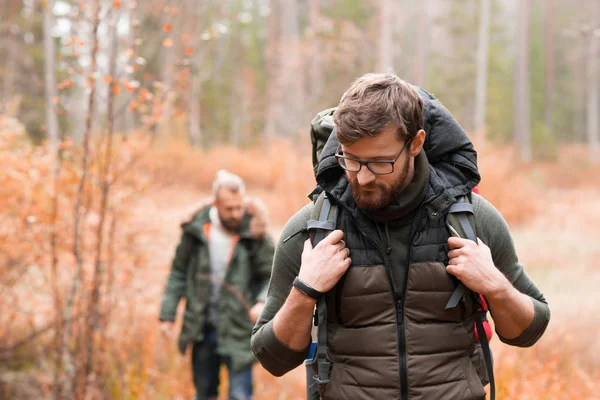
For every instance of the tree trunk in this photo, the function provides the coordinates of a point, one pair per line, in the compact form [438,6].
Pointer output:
[53,141]
[128,121]
[386,50]
[169,65]
[580,75]
[236,112]
[194,111]
[50,81]
[482,65]
[273,70]
[420,61]
[522,105]
[68,311]
[248,95]
[93,317]
[549,64]
[197,72]
[11,55]
[286,91]
[293,93]
[315,72]
[592,96]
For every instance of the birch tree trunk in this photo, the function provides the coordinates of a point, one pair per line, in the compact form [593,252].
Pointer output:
[522,105]
[386,49]
[592,95]
[293,93]
[549,63]
[93,317]
[194,110]
[482,65]
[273,70]
[68,365]
[169,65]
[315,72]
[51,93]
[420,60]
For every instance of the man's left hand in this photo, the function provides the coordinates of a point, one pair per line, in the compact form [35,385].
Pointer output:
[473,265]
[255,311]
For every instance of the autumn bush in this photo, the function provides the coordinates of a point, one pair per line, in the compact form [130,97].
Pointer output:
[46,285]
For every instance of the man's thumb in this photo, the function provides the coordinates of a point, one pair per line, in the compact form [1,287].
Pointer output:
[307,245]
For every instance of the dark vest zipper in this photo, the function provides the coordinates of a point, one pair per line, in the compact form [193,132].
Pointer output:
[400,310]
[398,303]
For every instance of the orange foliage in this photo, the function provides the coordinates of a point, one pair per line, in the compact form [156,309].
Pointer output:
[518,190]
[280,173]
[553,369]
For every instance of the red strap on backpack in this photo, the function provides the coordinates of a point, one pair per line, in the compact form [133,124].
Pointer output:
[483,308]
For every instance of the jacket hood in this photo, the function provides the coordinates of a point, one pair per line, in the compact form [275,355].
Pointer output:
[449,151]
[254,223]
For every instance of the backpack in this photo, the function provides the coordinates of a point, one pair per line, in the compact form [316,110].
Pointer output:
[323,220]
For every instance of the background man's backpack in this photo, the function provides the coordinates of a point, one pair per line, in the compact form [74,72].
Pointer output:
[323,220]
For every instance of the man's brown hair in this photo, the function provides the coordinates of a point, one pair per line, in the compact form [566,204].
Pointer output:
[375,102]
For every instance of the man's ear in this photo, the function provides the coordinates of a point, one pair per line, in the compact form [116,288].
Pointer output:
[417,143]
[215,199]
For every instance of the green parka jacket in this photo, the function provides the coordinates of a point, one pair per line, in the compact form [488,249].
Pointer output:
[246,283]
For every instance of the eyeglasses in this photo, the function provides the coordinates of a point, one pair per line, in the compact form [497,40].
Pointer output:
[378,167]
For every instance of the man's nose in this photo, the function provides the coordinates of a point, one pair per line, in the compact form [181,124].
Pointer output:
[365,176]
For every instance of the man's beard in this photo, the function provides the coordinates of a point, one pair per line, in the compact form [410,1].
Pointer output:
[381,196]
[232,225]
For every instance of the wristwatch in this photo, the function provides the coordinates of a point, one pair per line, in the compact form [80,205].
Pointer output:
[306,289]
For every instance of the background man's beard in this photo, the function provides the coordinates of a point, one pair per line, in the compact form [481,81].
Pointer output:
[231,225]
[381,196]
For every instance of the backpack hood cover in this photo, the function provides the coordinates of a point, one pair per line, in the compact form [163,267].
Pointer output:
[447,146]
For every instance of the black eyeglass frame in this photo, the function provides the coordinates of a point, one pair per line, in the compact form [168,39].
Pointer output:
[366,163]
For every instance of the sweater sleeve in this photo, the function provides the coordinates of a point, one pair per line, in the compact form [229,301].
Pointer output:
[262,261]
[493,230]
[175,288]
[274,355]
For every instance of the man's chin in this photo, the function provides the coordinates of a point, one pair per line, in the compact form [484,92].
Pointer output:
[232,227]
[369,202]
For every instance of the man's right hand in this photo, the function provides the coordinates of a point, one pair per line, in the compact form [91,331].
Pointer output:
[323,266]
[167,329]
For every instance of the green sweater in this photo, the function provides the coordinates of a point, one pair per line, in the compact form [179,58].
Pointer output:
[491,228]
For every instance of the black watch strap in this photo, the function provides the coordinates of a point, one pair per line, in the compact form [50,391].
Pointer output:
[306,289]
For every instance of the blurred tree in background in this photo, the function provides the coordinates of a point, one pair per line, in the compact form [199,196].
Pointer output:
[238,71]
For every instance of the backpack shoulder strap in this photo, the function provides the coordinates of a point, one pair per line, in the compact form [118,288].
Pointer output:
[323,221]
[462,224]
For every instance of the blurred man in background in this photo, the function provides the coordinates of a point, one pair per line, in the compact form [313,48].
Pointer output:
[221,267]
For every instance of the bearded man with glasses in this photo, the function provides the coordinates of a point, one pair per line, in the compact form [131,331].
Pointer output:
[388,270]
